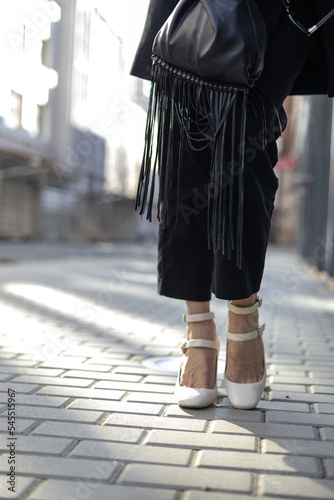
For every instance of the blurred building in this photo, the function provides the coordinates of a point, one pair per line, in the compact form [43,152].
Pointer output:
[315,182]
[68,153]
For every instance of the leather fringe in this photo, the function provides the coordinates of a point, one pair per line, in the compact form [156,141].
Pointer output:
[202,108]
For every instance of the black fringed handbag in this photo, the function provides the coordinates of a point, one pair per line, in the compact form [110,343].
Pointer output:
[206,57]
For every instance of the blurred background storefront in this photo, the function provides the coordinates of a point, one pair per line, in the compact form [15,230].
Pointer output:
[72,127]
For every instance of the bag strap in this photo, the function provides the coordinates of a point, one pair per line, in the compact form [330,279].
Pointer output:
[298,24]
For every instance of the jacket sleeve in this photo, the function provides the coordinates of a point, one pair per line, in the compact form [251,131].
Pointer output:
[157,14]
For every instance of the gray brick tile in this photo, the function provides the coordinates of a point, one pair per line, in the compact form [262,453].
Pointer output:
[324,408]
[132,453]
[45,466]
[21,426]
[283,379]
[155,422]
[127,386]
[36,444]
[79,392]
[199,440]
[215,413]
[34,372]
[30,379]
[327,433]
[273,405]
[256,462]
[291,487]
[33,400]
[102,376]
[160,379]
[182,477]
[61,414]
[329,468]
[288,387]
[207,495]
[19,388]
[323,389]
[8,365]
[137,370]
[298,396]
[53,489]
[319,449]
[300,418]
[151,397]
[263,430]
[89,431]
[22,486]
[120,407]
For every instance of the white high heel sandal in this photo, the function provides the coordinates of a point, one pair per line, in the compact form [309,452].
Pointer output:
[244,396]
[192,397]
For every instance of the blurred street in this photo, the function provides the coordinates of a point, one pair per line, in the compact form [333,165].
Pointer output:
[89,354]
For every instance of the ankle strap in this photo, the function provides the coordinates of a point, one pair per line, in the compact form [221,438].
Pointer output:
[241,337]
[211,344]
[194,318]
[245,310]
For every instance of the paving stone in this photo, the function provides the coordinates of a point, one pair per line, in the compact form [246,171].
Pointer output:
[127,386]
[329,468]
[35,444]
[132,453]
[21,425]
[102,376]
[272,405]
[297,396]
[300,418]
[199,440]
[33,400]
[151,397]
[88,431]
[206,495]
[294,487]
[53,489]
[45,466]
[300,380]
[324,408]
[155,422]
[327,433]
[215,412]
[34,372]
[77,382]
[78,392]
[288,388]
[61,414]
[160,379]
[22,486]
[137,370]
[183,478]
[319,449]
[256,462]
[19,363]
[120,407]
[19,388]
[74,363]
[263,430]
[323,389]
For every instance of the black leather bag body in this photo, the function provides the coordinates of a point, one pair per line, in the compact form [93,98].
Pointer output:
[206,57]
[223,40]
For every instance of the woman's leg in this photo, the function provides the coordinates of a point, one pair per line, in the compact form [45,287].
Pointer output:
[245,360]
[199,367]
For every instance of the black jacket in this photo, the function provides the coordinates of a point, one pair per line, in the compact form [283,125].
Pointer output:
[316,77]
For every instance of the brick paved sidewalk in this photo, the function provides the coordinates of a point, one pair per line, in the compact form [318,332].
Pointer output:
[89,352]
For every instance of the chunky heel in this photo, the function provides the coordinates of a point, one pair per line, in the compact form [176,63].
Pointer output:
[192,397]
[244,396]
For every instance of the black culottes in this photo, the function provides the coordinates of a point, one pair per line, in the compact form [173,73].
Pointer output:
[187,268]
